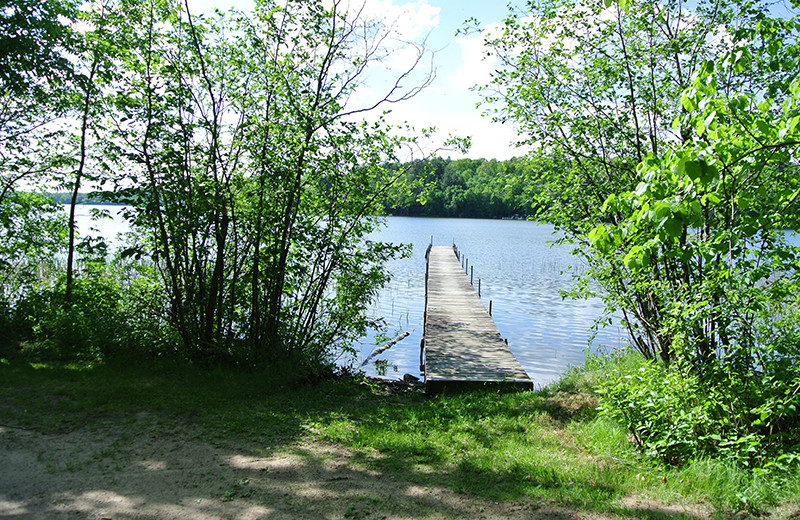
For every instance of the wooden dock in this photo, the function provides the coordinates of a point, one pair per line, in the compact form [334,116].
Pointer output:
[461,344]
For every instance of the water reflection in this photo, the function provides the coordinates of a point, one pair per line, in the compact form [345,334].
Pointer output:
[520,273]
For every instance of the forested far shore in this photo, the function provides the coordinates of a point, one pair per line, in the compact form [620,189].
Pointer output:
[94,197]
[460,188]
[470,188]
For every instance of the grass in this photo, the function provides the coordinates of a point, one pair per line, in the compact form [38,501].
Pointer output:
[548,445]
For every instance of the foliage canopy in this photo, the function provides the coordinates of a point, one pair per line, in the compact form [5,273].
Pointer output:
[678,130]
[249,174]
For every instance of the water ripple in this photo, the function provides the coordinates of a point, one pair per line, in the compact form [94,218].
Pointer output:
[520,273]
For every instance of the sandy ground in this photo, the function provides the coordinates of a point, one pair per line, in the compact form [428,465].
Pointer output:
[145,470]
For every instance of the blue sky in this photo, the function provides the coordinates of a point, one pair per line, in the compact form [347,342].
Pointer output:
[448,104]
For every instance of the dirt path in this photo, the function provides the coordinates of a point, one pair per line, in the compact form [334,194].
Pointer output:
[145,470]
[108,473]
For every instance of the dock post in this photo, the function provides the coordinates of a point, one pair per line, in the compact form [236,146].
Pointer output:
[471,274]
[479,287]
[490,307]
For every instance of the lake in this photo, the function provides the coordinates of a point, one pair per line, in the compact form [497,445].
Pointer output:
[108,228]
[520,273]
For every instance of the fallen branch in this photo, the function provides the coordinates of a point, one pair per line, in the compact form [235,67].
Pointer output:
[386,346]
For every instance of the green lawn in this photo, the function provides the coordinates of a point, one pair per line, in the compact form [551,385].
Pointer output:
[548,445]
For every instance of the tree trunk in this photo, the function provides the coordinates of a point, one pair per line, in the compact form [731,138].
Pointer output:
[87,101]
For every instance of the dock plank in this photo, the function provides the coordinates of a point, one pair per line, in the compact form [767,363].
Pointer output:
[461,342]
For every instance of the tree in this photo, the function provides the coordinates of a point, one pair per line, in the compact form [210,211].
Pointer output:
[252,177]
[679,132]
[91,74]
[705,236]
[599,87]
[34,39]
[33,35]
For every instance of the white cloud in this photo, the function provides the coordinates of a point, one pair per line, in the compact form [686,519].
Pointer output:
[410,21]
[476,67]
[489,140]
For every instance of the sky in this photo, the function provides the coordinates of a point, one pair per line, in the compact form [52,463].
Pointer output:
[448,103]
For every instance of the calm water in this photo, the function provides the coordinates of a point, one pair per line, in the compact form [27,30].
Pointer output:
[109,227]
[520,272]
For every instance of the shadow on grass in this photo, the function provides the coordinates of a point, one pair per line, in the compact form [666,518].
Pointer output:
[173,442]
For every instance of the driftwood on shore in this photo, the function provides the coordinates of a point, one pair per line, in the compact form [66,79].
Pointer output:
[386,346]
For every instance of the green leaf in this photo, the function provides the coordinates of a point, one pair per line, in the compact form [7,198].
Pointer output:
[708,67]
[693,170]
[610,201]
[662,209]
[130,252]
[763,127]
[600,239]
[700,127]
[741,60]
[631,260]
[673,227]
[740,102]
[793,123]
[709,173]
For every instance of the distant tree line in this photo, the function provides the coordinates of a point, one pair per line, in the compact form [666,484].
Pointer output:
[469,188]
[81,198]
[459,188]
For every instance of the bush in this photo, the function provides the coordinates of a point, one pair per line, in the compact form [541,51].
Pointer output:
[113,315]
[86,330]
[676,416]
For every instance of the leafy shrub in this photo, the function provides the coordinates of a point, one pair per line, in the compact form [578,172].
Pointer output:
[86,330]
[677,416]
[113,315]
[143,304]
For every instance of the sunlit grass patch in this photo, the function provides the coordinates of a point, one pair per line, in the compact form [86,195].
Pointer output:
[502,446]
[524,446]
[602,435]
